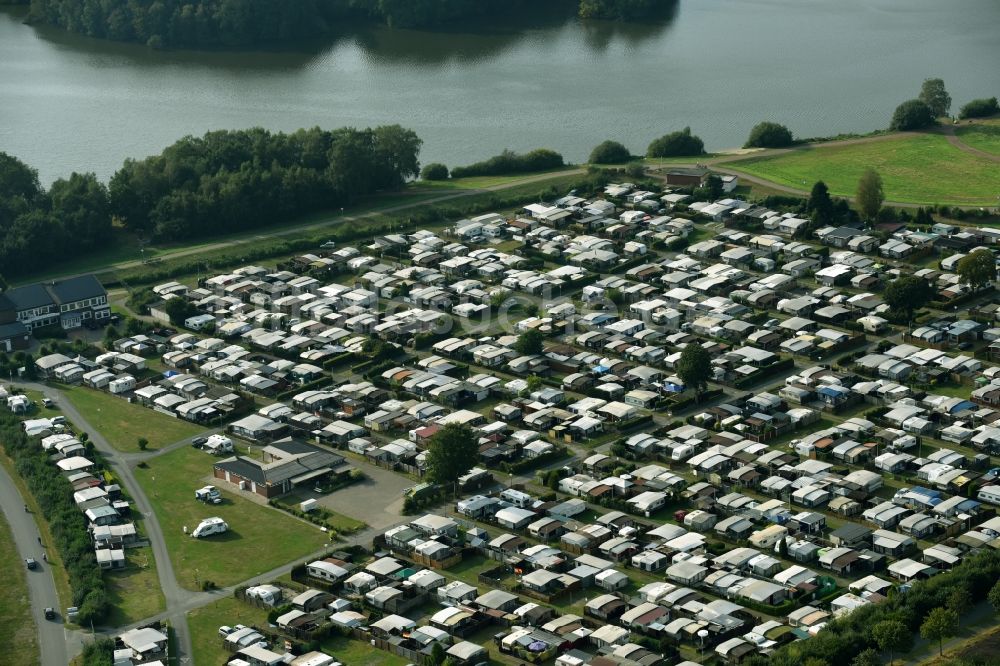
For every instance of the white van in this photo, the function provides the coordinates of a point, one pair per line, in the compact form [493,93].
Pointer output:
[210,526]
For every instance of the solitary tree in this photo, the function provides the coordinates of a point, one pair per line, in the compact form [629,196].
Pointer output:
[769,135]
[870,194]
[143,443]
[695,367]
[907,294]
[530,342]
[820,205]
[434,171]
[452,451]
[937,99]
[940,623]
[891,636]
[977,269]
[912,114]
[675,144]
[609,152]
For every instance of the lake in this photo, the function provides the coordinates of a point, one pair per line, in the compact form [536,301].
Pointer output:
[821,67]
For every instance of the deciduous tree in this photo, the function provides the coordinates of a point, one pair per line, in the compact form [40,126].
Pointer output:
[769,135]
[908,294]
[609,152]
[870,194]
[911,115]
[451,452]
[532,341]
[977,269]
[891,636]
[937,99]
[695,367]
[940,623]
[674,144]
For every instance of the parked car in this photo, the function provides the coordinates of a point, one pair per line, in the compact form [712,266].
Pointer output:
[199,442]
[225,630]
[31,563]
[48,402]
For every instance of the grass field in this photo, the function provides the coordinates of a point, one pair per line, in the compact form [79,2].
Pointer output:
[259,538]
[123,423]
[17,628]
[984,136]
[921,168]
[135,590]
[204,624]
[359,653]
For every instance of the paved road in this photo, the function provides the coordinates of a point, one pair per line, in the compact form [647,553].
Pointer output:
[174,594]
[41,585]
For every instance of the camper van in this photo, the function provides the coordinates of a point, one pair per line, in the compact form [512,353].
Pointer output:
[218,444]
[210,526]
[209,495]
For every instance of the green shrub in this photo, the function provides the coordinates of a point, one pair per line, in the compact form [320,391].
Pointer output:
[911,115]
[434,171]
[609,152]
[980,108]
[769,135]
[676,144]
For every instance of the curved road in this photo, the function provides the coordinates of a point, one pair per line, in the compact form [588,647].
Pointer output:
[41,586]
[173,593]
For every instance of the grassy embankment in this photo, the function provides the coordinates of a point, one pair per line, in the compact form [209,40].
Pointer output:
[17,627]
[915,168]
[984,135]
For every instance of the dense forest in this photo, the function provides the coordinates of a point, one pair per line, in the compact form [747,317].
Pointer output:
[222,182]
[232,180]
[243,23]
[38,226]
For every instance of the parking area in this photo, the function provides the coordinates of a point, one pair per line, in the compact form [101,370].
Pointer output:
[377,500]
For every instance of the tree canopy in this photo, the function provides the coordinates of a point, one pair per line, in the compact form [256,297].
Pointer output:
[892,636]
[937,99]
[695,367]
[980,108]
[820,205]
[870,194]
[769,135]
[38,226]
[509,162]
[675,144]
[911,115]
[226,181]
[908,294]
[977,269]
[434,171]
[530,342]
[941,623]
[452,451]
[241,23]
[609,152]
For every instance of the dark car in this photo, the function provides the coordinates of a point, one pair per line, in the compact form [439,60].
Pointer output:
[50,613]
[199,442]
[31,563]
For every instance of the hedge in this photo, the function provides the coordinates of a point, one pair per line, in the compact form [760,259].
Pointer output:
[67,523]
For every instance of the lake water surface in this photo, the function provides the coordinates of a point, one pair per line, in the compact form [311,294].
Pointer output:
[820,66]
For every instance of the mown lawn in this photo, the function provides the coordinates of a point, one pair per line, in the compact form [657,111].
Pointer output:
[259,538]
[984,136]
[204,625]
[360,653]
[135,590]
[123,423]
[922,168]
[17,628]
